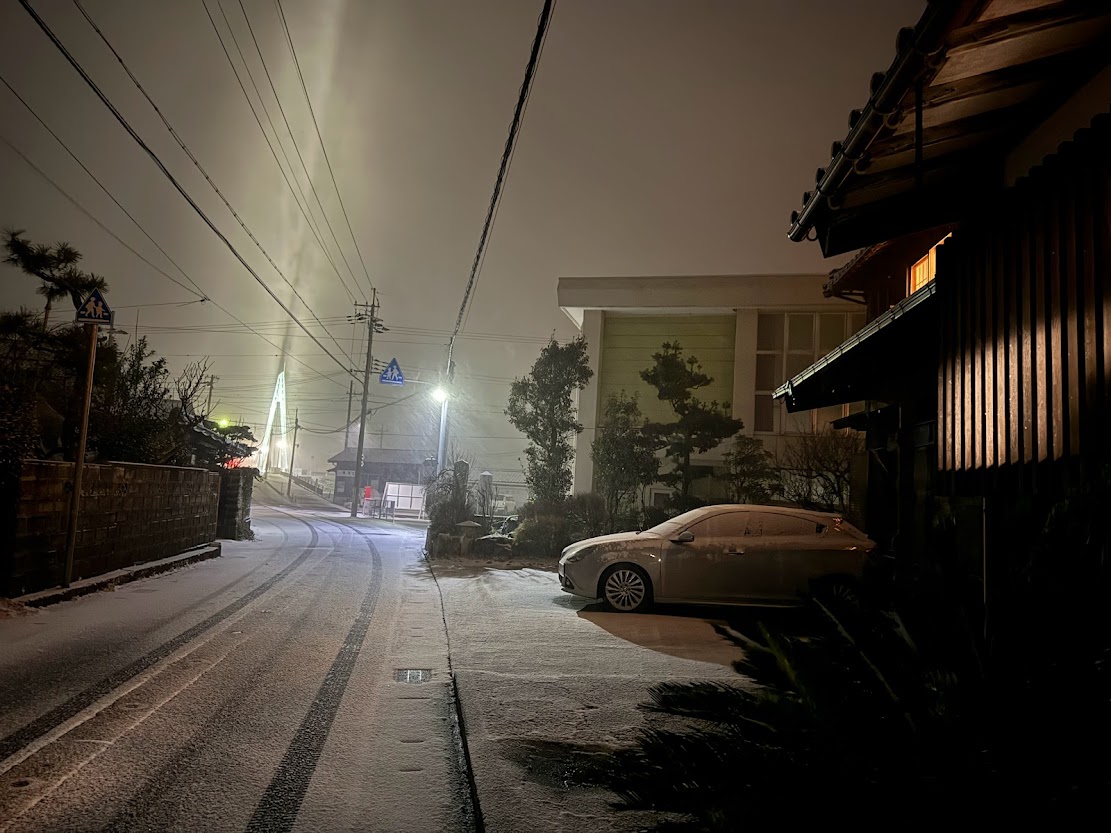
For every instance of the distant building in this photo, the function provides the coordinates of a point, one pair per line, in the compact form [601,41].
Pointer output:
[750,332]
[380,467]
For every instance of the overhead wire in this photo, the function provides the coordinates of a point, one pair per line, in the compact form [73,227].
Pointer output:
[370,412]
[503,167]
[173,180]
[201,294]
[320,137]
[200,297]
[262,105]
[508,167]
[293,139]
[313,226]
[197,164]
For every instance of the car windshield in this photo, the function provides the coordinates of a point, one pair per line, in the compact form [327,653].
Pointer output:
[669,527]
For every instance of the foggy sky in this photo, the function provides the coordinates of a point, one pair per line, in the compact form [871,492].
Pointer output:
[660,138]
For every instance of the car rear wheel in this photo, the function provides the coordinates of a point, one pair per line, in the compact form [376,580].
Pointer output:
[626,589]
[842,592]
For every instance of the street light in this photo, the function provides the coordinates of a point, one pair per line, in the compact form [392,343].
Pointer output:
[223,423]
[440,395]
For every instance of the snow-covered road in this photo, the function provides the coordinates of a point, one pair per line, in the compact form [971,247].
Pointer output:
[260,691]
[256,691]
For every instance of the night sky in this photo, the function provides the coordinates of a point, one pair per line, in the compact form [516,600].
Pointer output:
[660,138]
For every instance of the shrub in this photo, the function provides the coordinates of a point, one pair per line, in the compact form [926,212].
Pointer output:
[587,515]
[449,500]
[544,531]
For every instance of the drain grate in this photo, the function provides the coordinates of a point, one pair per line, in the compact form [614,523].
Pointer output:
[412,675]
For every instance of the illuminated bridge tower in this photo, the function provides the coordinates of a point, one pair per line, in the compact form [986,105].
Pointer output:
[275,440]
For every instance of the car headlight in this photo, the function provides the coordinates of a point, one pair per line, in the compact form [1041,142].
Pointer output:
[577,555]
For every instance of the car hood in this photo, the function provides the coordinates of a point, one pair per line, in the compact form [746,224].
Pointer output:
[616,540]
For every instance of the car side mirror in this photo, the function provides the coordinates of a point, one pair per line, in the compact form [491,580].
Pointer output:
[685,537]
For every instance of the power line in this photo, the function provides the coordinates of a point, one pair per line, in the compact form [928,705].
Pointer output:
[313,227]
[89,214]
[197,164]
[320,137]
[369,412]
[166,172]
[293,139]
[503,167]
[200,292]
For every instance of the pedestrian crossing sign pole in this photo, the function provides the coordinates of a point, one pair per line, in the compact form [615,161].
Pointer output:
[93,313]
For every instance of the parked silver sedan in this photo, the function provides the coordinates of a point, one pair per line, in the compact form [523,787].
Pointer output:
[734,554]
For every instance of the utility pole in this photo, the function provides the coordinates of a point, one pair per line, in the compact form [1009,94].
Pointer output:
[347,425]
[93,312]
[211,384]
[373,326]
[79,459]
[293,453]
[444,391]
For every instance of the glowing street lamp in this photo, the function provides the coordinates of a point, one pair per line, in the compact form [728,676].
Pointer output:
[223,423]
[440,394]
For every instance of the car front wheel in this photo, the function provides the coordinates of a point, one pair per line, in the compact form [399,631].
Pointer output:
[626,589]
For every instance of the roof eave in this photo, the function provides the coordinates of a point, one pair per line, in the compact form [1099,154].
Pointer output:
[914,50]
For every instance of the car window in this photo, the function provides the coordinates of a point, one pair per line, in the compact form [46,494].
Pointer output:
[668,527]
[774,523]
[724,525]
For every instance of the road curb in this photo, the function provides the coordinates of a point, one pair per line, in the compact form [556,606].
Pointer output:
[458,722]
[42,598]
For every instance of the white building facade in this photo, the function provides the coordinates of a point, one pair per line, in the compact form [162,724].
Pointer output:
[749,332]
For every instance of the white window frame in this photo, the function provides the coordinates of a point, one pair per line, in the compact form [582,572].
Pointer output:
[779,409]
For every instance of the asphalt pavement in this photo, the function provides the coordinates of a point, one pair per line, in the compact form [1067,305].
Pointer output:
[303,682]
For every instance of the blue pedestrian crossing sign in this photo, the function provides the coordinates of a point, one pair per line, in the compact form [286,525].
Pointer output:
[94,310]
[392,375]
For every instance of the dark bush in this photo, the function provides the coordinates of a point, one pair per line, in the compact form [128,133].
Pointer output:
[587,514]
[544,531]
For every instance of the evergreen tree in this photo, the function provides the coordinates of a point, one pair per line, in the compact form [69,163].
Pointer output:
[55,266]
[698,427]
[540,407]
[624,454]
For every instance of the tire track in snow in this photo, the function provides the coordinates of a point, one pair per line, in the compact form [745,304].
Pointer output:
[278,808]
[51,720]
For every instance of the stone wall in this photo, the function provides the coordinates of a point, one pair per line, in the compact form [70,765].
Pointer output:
[130,514]
[236,488]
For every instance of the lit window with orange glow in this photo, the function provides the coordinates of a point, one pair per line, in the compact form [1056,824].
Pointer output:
[924,271]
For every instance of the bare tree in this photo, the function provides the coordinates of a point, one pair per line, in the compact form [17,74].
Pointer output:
[817,468]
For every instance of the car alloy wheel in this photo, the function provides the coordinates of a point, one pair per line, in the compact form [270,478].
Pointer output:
[625,589]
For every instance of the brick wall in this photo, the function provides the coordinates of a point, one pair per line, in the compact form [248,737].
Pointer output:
[130,514]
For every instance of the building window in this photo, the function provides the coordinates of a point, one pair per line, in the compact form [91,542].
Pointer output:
[787,344]
[924,271]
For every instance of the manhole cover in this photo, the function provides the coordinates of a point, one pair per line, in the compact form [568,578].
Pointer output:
[412,675]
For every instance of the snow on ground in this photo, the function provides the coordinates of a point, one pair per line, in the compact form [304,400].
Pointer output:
[542,673]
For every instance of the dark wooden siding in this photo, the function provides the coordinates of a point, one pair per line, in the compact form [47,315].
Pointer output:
[1025,299]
